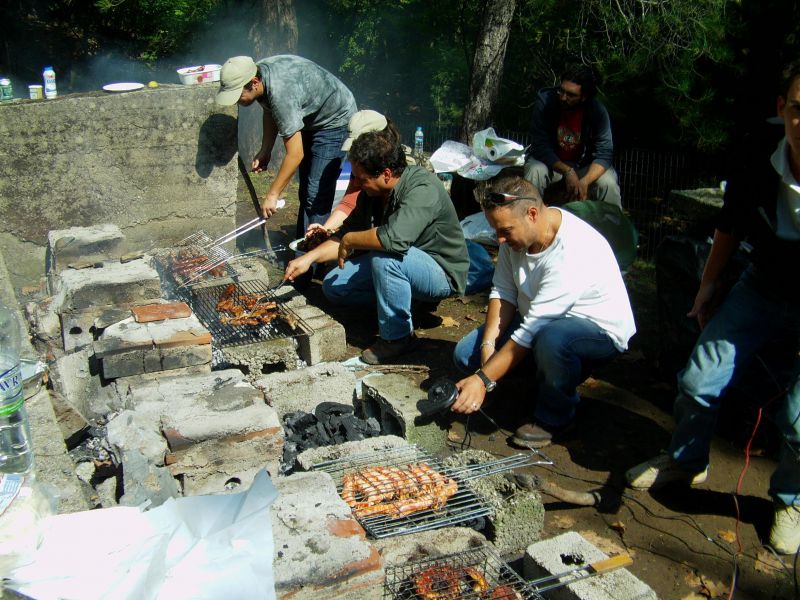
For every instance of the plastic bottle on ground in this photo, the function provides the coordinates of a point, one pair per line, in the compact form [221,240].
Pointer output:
[16,450]
[50,90]
[418,142]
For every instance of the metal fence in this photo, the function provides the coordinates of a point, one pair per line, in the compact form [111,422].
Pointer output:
[646,178]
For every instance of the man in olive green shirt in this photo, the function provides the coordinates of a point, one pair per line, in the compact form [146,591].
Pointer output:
[402,242]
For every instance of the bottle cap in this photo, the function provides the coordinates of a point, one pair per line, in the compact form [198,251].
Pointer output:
[48,68]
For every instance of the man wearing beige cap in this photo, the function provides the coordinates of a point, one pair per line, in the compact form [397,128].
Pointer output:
[310,109]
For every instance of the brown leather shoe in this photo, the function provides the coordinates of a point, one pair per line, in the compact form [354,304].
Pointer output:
[532,435]
[383,351]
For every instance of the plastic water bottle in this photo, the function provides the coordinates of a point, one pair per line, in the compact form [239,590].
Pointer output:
[50,90]
[419,137]
[16,450]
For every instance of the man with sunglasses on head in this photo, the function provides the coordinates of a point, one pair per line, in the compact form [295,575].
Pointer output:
[402,242]
[558,308]
[571,140]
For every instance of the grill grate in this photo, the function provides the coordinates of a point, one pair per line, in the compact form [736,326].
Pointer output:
[463,506]
[447,577]
[204,302]
[172,264]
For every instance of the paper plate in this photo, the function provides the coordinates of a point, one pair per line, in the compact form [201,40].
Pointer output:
[293,245]
[123,87]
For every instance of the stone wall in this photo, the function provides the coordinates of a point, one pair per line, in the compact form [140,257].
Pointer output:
[158,163]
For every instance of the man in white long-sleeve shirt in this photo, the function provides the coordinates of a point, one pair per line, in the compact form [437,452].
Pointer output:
[558,304]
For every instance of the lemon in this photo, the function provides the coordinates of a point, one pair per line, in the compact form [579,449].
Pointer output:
[152,84]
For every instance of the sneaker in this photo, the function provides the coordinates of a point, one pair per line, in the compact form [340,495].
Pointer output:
[784,537]
[383,351]
[532,435]
[660,471]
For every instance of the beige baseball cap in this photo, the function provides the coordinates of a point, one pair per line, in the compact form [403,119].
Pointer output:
[362,122]
[236,73]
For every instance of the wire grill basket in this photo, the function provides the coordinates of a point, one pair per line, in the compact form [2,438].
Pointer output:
[204,302]
[476,573]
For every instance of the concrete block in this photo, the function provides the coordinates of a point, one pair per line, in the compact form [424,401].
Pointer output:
[129,348]
[428,544]
[137,431]
[392,399]
[76,378]
[518,515]
[320,549]
[144,482]
[76,330]
[53,464]
[226,465]
[271,356]
[122,285]
[304,389]
[83,244]
[306,460]
[570,550]
[328,342]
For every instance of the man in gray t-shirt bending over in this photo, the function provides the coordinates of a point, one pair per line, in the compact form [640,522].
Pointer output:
[310,109]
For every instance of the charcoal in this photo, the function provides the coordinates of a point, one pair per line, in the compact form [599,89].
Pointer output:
[299,420]
[324,410]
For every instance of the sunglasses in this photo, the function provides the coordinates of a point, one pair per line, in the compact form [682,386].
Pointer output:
[503,198]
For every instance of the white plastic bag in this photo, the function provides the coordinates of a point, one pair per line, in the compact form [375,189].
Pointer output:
[488,146]
[477,229]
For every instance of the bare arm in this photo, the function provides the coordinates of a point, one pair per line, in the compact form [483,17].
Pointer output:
[326,251]
[289,165]
[270,133]
[722,249]
[358,240]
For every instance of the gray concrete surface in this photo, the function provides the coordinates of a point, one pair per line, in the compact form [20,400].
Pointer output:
[428,544]
[306,460]
[149,162]
[320,550]
[98,243]
[392,399]
[304,389]
[569,550]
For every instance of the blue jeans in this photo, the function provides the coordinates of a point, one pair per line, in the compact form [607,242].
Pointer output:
[391,281]
[319,169]
[563,354]
[747,322]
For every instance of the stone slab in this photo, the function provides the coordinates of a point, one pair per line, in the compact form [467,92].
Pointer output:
[115,284]
[320,549]
[392,399]
[304,389]
[76,377]
[570,550]
[428,544]
[327,343]
[96,243]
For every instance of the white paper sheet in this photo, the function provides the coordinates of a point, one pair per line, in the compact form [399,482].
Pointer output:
[200,547]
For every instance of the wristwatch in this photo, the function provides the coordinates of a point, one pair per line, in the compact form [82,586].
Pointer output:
[488,383]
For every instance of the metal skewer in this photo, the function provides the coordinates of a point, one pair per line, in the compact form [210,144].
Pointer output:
[583,572]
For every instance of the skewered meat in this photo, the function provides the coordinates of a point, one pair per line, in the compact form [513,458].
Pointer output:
[443,582]
[504,592]
[396,491]
[250,309]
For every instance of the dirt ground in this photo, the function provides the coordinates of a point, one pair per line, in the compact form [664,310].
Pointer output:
[685,543]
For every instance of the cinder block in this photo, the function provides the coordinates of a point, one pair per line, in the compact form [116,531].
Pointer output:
[123,364]
[184,356]
[115,284]
[327,343]
[83,244]
[321,551]
[392,399]
[570,550]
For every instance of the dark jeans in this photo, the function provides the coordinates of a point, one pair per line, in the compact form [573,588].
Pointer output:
[319,169]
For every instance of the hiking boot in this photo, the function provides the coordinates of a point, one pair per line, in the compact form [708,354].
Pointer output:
[784,537]
[383,351]
[533,435]
[660,471]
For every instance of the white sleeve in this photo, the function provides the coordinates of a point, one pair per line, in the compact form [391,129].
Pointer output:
[503,285]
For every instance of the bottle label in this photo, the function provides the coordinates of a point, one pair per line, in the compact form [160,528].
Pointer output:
[10,391]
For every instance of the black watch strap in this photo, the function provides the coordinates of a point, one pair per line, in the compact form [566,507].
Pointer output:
[488,383]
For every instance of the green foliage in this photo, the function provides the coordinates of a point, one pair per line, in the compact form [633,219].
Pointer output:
[158,27]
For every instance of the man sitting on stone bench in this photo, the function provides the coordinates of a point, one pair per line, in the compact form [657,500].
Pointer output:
[558,307]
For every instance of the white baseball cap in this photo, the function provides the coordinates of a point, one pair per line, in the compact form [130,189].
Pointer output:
[362,122]
[236,73]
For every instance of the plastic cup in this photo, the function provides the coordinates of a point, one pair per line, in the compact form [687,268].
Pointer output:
[36,92]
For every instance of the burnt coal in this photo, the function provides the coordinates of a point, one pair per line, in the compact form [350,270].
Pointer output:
[332,423]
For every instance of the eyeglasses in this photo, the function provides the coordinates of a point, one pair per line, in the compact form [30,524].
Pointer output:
[568,94]
[503,198]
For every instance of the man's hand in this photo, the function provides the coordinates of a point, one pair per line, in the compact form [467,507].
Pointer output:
[297,267]
[260,162]
[583,188]
[703,304]
[471,393]
[344,250]
[269,205]
[572,184]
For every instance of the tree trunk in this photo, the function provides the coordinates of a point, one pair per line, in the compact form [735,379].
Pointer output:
[275,32]
[487,66]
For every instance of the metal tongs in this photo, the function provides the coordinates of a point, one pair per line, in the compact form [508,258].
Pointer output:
[203,240]
[217,259]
